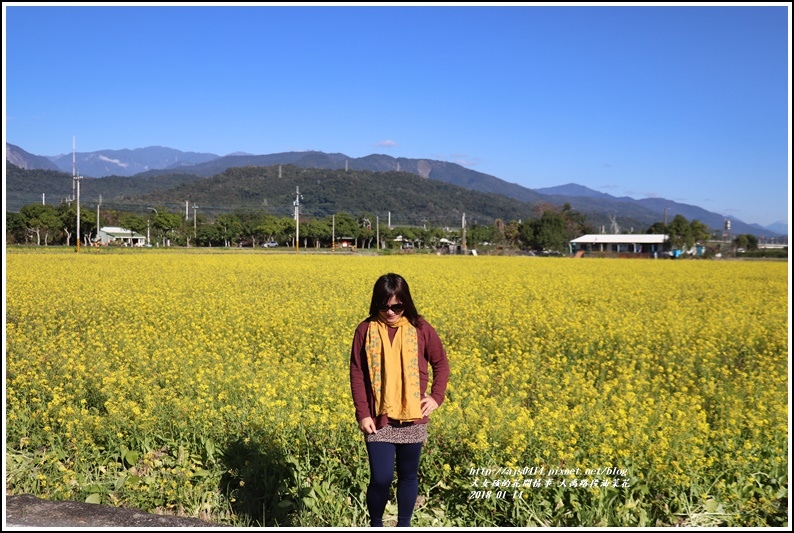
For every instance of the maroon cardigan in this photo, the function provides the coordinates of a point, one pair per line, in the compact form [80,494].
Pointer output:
[431,352]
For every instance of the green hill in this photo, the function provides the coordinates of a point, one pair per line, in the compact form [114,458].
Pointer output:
[409,198]
[405,197]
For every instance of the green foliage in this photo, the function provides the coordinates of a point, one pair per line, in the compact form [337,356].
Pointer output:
[680,236]
[746,241]
[554,229]
[346,225]
[683,234]
[133,222]
[41,220]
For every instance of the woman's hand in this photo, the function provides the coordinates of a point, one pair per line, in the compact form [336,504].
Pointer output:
[367,425]
[428,405]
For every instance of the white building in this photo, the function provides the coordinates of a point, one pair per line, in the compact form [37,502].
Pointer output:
[116,235]
[644,244]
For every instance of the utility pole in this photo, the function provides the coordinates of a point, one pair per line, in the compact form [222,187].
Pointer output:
[463,233]
[377,230]
[97,215]
[194,222]
[76,180]
[333,231]
[297,204]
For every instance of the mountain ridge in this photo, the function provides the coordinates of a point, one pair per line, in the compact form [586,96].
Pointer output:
[581,198]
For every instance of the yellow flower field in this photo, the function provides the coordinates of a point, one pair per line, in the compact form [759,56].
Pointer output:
[582,392]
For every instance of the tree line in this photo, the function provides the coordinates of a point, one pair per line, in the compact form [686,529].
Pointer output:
[551,229]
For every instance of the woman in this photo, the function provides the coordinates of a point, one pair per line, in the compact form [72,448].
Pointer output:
[389,361]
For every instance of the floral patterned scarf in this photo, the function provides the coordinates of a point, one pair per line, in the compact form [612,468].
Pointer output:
[394,370]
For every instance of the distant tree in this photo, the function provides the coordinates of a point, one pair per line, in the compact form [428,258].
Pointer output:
[40,220]
[287,229]
[576,223]
[249,225]
[498,234]
[542,207]
[16,231]
[554,228]
[478,234]
[207,235]
[111,217]
[366,231]
[346,226]
[185,235]
[318,230]
[269,227]
[512,232]
[746,241]
[88,225]
[740,241]
[229,229]
[134,222]
[699,232]
[682,235]
[550,232]
[168,224]
[387,235]
[67,214]
[679,232]
[527,233]
[432,236]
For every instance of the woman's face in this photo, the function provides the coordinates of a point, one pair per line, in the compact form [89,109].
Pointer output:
[390,315]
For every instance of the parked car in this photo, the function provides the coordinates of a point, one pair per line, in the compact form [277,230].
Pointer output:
[270,244]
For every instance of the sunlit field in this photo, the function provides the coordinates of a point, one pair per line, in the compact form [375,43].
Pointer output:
[583,392]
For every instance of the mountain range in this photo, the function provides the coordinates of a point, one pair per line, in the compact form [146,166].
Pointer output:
[157,170]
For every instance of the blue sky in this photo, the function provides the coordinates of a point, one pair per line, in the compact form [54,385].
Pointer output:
[688,103]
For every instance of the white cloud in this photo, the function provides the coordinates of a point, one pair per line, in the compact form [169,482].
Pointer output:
[388,143]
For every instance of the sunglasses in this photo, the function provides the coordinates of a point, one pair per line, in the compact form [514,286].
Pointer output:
[396,308]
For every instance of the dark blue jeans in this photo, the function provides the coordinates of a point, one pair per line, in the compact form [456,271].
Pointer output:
[382,457]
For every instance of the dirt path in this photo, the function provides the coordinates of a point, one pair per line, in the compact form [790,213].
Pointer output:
[28,511]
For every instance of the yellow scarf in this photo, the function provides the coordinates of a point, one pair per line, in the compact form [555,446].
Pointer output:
[394,370]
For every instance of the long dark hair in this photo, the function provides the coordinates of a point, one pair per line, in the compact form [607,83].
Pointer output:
[389,285]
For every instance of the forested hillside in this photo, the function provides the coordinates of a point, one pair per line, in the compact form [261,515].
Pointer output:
[409,198]
[25,187]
